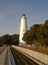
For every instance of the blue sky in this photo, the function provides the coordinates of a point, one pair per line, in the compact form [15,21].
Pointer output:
[11,11]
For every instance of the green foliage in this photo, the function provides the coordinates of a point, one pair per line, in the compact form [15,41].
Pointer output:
[38,33]
[9,39]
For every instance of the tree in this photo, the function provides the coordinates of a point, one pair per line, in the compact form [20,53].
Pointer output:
[9,39]
[38,33]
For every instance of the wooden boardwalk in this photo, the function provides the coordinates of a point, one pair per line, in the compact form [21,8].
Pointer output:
[40,58]
[2,57]
[6,57]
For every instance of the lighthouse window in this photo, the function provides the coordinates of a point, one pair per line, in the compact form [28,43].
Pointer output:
[24,30]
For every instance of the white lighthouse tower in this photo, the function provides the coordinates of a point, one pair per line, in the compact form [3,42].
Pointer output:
[23,29]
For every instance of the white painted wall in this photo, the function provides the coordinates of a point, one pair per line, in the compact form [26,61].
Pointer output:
[23,28]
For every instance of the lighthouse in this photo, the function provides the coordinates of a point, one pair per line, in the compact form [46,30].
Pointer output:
[23,29]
